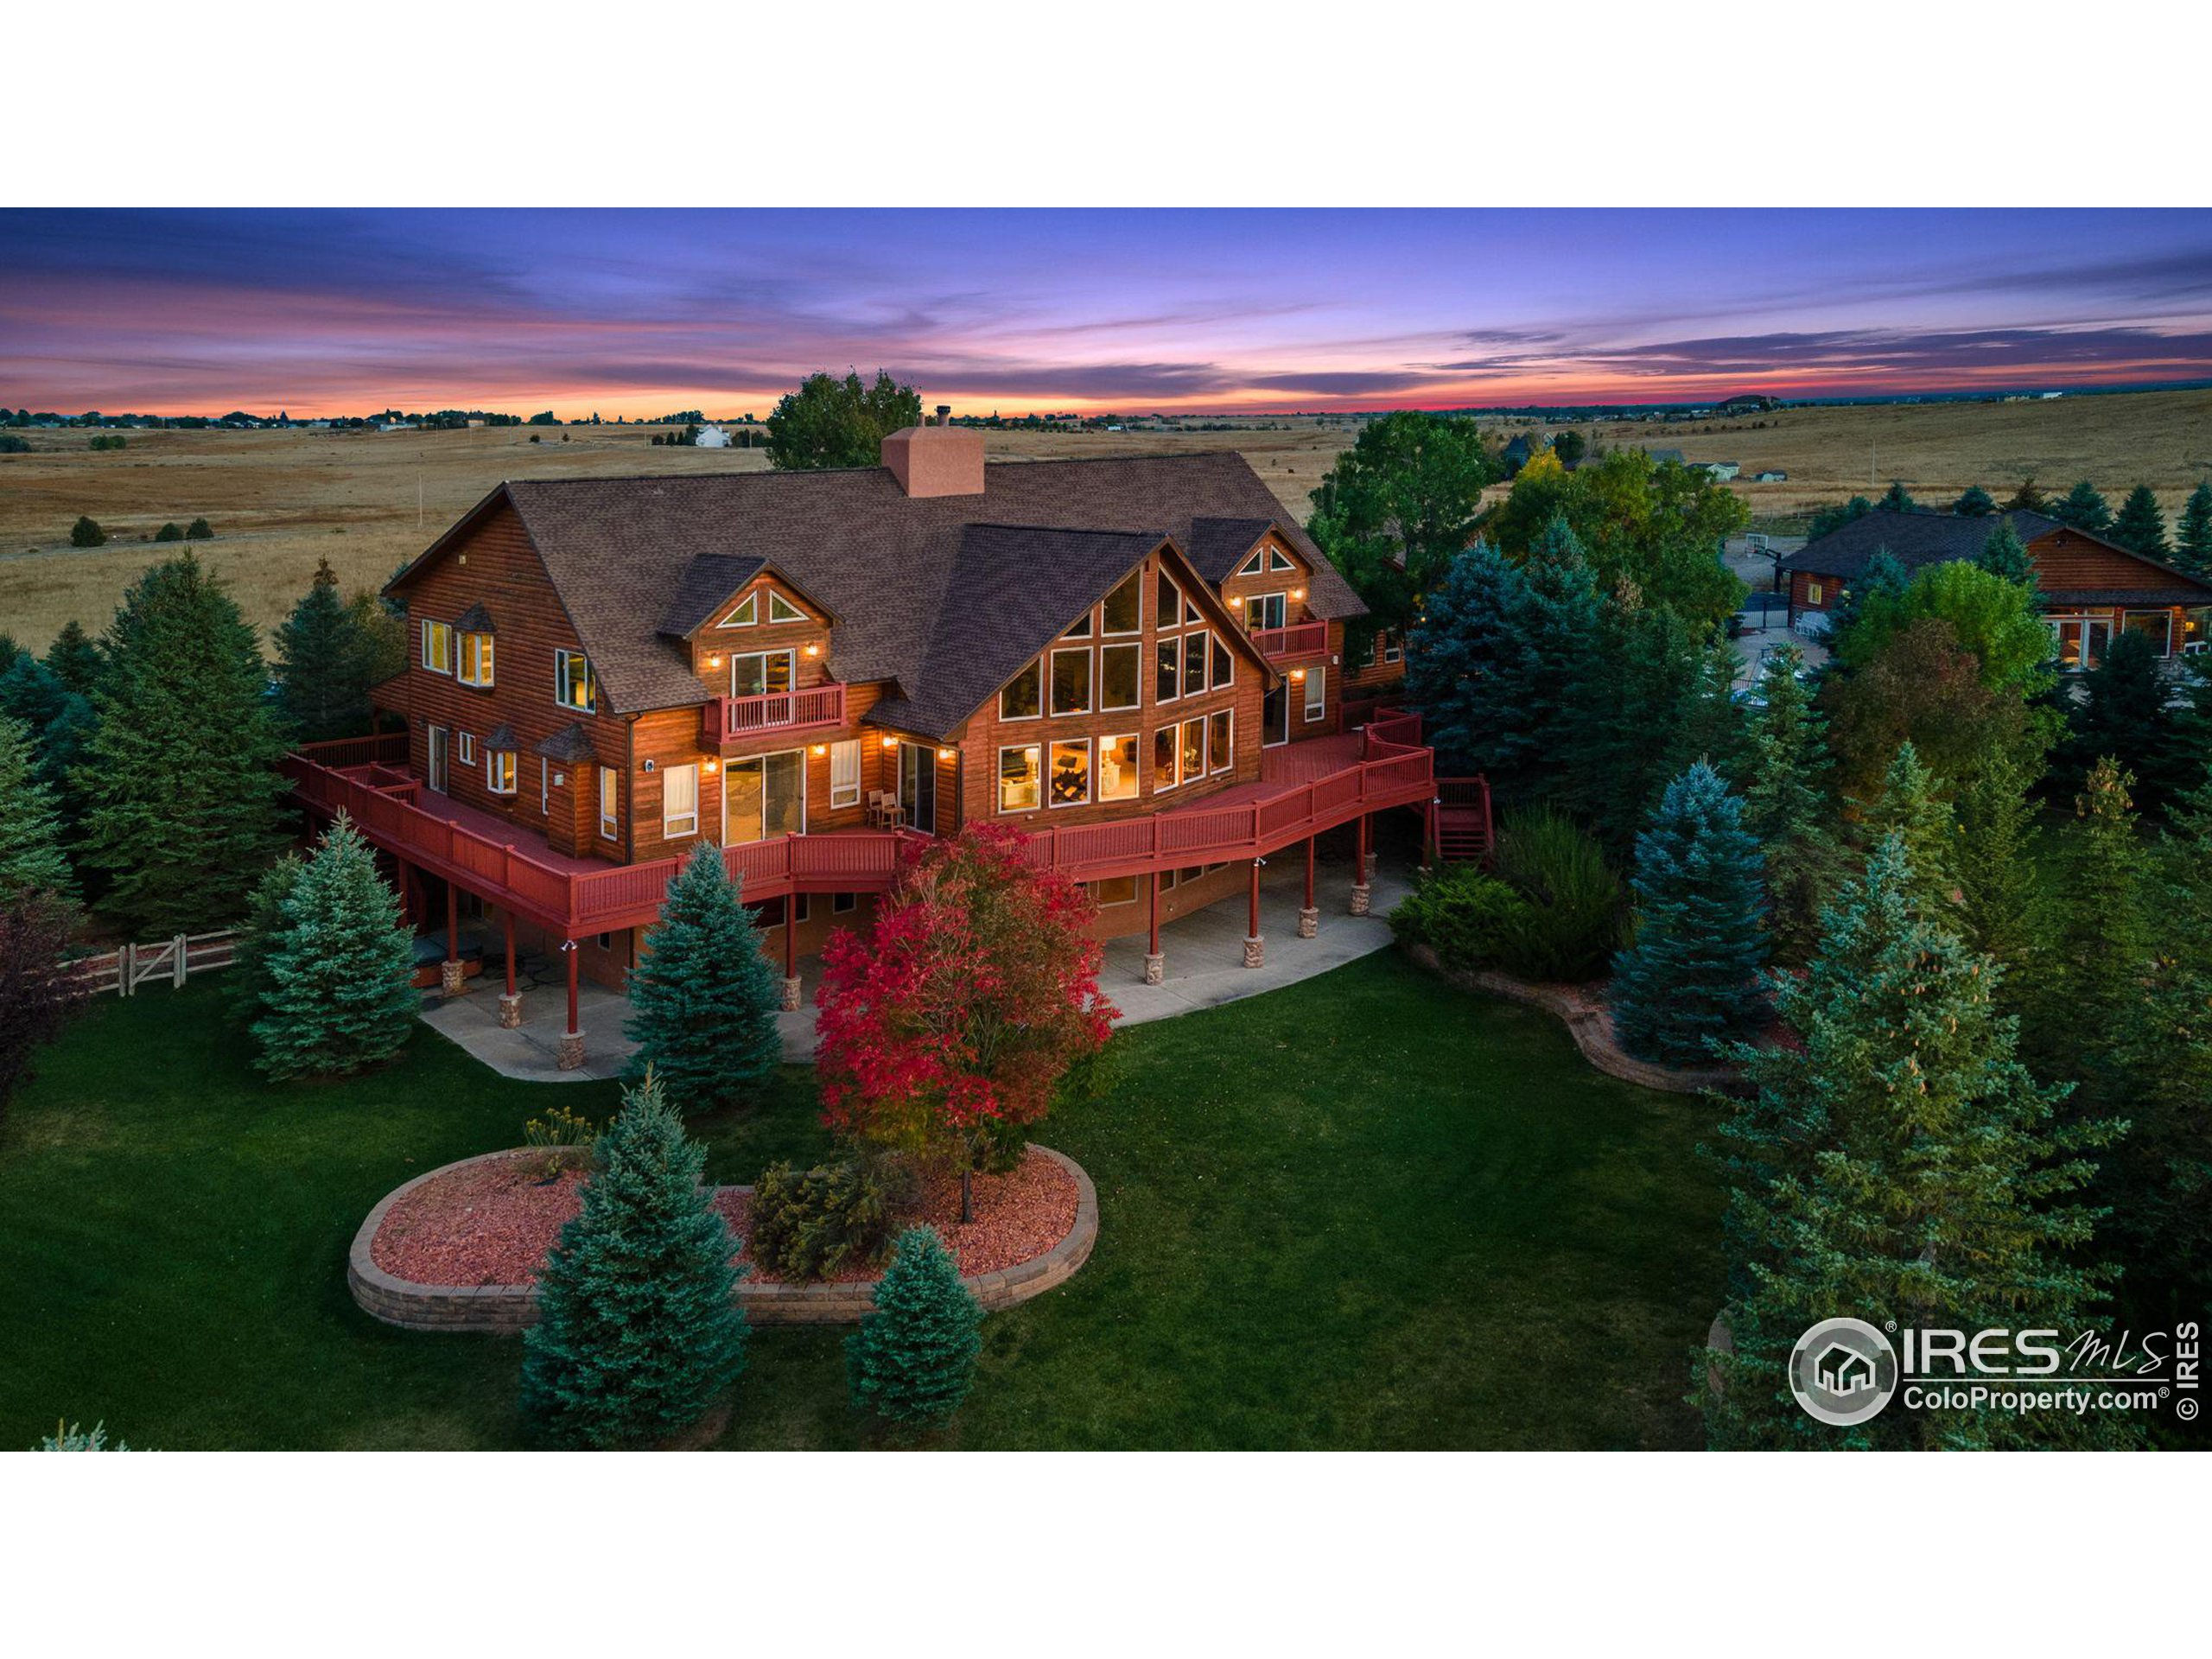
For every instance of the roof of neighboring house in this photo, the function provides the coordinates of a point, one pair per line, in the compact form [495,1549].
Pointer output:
[632,558]
[1918,539]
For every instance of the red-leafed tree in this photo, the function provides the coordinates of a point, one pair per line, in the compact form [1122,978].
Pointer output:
[946,1028]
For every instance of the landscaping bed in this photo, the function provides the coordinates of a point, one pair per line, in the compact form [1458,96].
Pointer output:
[460,1248]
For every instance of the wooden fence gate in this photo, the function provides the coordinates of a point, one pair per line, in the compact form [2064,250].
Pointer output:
[174,960]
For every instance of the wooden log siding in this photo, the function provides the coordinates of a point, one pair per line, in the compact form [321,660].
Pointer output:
[1331,654]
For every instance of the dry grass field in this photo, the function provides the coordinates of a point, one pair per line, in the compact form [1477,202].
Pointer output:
[279,500]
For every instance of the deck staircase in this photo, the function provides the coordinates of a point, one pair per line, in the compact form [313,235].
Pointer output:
[1462,829]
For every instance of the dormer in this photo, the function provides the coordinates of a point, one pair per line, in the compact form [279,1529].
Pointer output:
[747,628]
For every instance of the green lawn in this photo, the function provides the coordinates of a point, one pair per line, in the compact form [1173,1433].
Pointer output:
[1364,1211]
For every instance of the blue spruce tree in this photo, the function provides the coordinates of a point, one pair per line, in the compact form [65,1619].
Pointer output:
[1691,977]
[704,1000]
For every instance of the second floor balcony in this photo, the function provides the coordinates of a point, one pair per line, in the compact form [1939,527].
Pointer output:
[731,719]
[1298,639]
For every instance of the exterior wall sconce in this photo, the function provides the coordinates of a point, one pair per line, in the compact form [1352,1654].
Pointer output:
[944,754]
[890,742]
[1297,673]
[1298,593]
[714,766]
[714,661]
[814,651]
[821,749]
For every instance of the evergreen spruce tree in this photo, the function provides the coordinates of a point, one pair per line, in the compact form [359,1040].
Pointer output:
[1897,498]
[638,1331]
[2005,555]
[30,831]
[74,659]
[1883,574]
[703,1001]
[2028,498]
[1691,977]
[1560,625]
[2141,526]
[2125,712]
[1998,877]
[1903,1166]
[913,1360]
[339,967]
[1912,807]
[180,776]
[1975,503]
[2083,508]
[248,982]
[1469,665]
[322,664]
[2193,550]
[1624,736]
[1784,777]
[61,723]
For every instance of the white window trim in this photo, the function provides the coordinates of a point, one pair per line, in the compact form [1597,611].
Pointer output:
[1089,772]
[1175,754]
[999,778]
[1137,771]
[1220,652]
[673,827]
[465,748]
[491,769]
[1106,707]
[1105,632]
[1261,600]
[562,682]
[1280,562]
[1316,682]
[790,671]
[1225,763]
[1205,661]
[1038,664]
[1255,566]
[460,660]
[430,631]
[1171,643]
[2167,617]
[1090,682]
[610,823]
[779,606]
[845,794]
[745,613]
[1183,748]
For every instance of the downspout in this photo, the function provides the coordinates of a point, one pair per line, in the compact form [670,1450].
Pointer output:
[630,790]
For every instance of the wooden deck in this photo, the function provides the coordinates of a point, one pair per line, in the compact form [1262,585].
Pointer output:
[1303,789]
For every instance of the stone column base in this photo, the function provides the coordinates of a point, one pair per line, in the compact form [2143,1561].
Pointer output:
[451,978]
[1155,969]
[1256,951]
[570,1054]
[1361,895]
[1309,922]
[791,996]
[509,1009]
[1373,863]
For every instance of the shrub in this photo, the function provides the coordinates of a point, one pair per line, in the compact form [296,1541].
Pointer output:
[638,1331]
[809,1223]
[168,532]
[86,533]
[105,441]
[1462,914]
[198,531]
[12,445]
[913,1360]
[1573,923]
[68,1437]
[562,1136]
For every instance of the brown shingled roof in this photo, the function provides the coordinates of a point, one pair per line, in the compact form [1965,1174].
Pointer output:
[622,552]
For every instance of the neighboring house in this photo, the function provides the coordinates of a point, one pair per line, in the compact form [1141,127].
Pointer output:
[1663,456]
[2087,586]
[1137,660]
[711,437]
[1769,477]
[1720,471]
[1515,455]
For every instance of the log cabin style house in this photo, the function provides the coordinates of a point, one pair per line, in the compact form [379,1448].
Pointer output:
[1139,663]
[2090,589]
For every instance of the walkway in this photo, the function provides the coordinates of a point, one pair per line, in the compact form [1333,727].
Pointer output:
[1205,968]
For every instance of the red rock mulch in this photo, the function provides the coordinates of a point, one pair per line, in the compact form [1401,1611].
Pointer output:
[492,1223]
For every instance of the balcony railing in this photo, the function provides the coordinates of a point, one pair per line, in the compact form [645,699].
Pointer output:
[1392,770]
[1298,639]
[728,720]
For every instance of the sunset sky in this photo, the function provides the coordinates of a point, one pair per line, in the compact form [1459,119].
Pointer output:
[639,313]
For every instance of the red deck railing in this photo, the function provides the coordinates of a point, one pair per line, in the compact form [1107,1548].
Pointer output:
[725,720]
[1298,639]
[1392,770]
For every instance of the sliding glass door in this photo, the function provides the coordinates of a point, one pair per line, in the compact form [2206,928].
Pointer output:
[917,785]
[764,795]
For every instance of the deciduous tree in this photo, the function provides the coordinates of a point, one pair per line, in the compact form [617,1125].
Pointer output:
[946,1029]
[833,422]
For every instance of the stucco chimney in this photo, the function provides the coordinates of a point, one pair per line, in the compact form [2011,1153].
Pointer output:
[935,460]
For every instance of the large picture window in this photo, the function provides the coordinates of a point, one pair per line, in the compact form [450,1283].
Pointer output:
[1120,669]
[2157,626]
[845,772]
[761,673]
[1194,749]
[1265,611]
[1224,664]
[572,680]
[1194,663]
[1163,757]
[1220,740]
[1072,682]
[1117,768]
[679,801]
[1071,781]
[1123,612]
[1020,698]
[1167,686]
[1017,779]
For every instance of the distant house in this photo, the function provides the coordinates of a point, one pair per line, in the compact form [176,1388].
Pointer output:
[1663,457]
[1769,477]
[1516,457]
[712,437]
[1721,470]
[2088,587]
